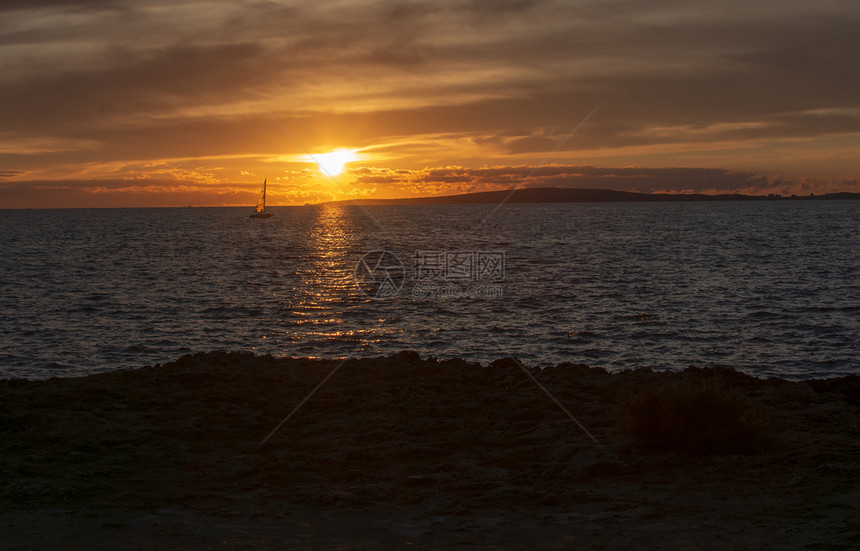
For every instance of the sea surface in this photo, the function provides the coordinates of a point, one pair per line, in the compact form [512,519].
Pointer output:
[768,288]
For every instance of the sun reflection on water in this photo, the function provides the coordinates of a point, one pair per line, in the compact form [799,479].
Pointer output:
[327,289]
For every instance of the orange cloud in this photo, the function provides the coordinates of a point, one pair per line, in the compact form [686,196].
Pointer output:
[187,91]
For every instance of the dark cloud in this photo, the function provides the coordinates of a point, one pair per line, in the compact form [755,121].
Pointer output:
[11,5]
[451,180]
[428,80]
[150,192]
[168,79]
[191,190]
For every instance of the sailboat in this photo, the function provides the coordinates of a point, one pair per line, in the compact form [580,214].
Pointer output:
[260,212]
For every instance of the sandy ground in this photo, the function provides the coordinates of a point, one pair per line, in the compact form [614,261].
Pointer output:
[400,453]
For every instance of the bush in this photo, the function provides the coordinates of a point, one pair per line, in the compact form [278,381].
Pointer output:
[697,419]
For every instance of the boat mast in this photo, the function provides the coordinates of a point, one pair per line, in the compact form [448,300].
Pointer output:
[260,211]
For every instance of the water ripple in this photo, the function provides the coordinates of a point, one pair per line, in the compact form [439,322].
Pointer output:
[768,288]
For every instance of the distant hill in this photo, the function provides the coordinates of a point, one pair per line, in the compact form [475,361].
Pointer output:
[576,195]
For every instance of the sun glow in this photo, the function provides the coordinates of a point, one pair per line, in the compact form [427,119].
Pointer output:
[331,164]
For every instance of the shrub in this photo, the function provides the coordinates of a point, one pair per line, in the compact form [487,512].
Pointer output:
[698,419]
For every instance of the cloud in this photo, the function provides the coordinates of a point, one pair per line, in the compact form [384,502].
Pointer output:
[149,192]
[6,174]
[454,180]
[760,87]
[169,186]
[29,5]
[153,85]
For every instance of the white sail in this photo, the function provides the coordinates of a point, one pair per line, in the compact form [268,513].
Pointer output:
[261,202]
[260,211]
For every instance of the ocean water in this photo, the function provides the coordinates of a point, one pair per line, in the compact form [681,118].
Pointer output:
[769,288]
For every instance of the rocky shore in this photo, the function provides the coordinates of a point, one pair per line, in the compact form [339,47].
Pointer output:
[398,451]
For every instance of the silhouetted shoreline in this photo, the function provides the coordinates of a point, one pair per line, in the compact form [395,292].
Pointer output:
[577,195]
[396,451]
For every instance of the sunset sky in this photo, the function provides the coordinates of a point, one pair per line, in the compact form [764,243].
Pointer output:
[182,102]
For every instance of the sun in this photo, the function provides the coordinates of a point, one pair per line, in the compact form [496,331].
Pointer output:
[331,164]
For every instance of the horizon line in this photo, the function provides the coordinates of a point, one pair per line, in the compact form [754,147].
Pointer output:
[412,201]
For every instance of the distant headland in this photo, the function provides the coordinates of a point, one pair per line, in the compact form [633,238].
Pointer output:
[577,195]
